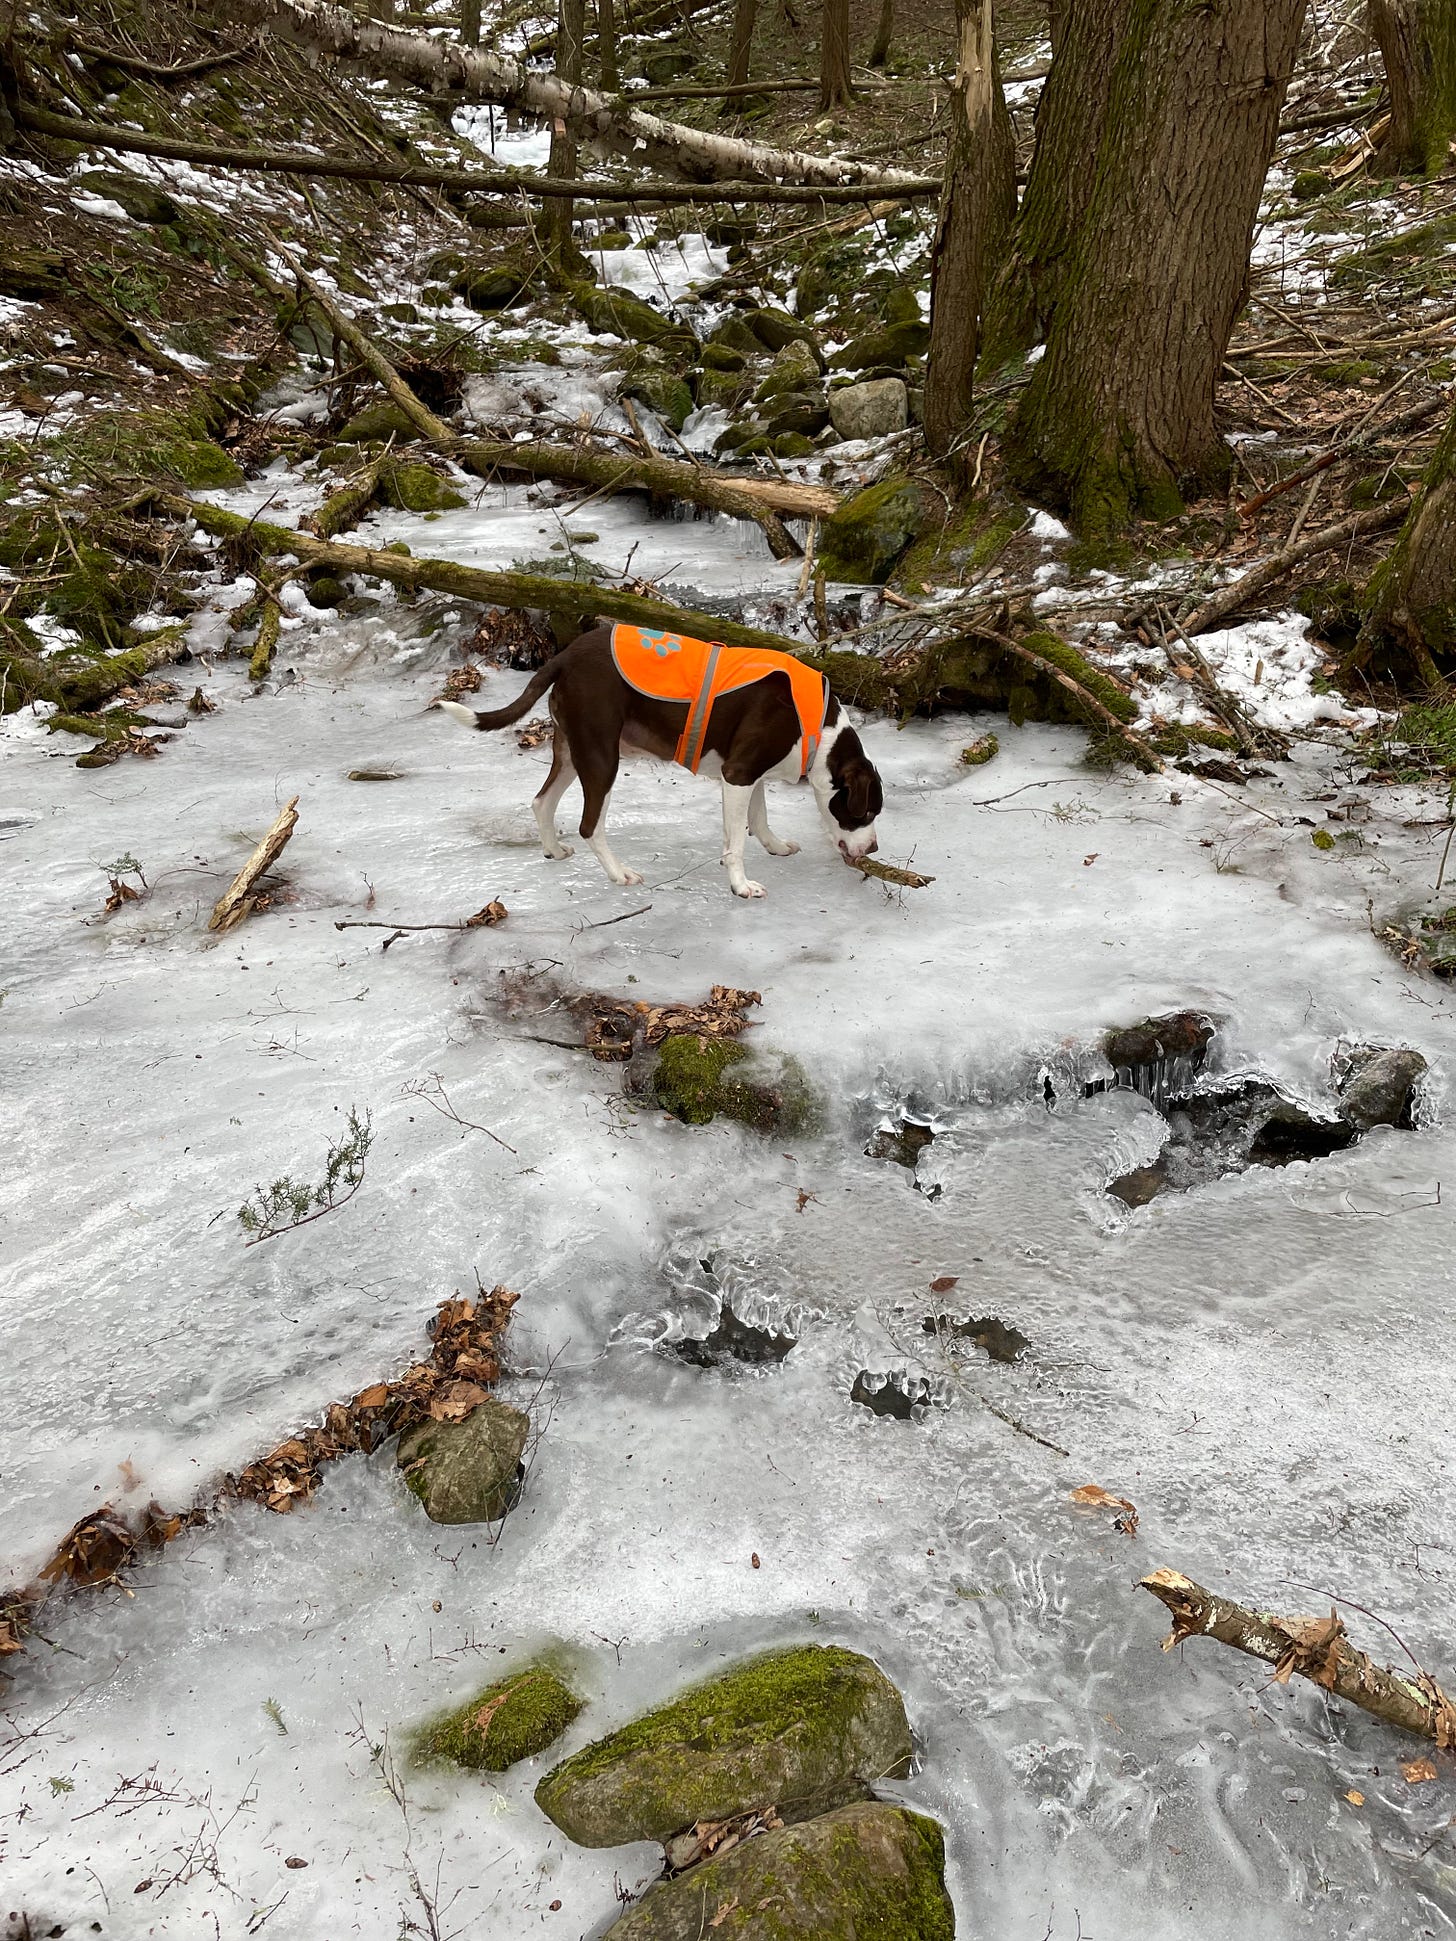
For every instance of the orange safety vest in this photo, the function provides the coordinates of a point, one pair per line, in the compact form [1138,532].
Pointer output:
[674,667]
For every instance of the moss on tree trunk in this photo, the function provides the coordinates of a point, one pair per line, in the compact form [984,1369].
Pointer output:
[1410,603]
[1418,45]
[1140,285]
[977,208]
[834,85]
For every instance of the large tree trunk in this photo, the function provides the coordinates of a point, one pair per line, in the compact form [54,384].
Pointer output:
[1140,300]
[607,70]
[1410,603]
[476,74]
[745,16]
[977,208]
[1418,45]
[470,23]
[834,88]
[557,217]
[1059,12]
[884,34]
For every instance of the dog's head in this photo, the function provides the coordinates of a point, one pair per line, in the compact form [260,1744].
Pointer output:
[855,797]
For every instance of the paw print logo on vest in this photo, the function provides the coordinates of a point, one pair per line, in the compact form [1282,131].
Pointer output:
[661,644]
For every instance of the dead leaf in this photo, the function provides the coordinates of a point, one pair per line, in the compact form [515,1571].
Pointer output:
[294,1861]
[1355,1799]
[494,912]
[943,1283]
[373,1397]
[1418,1771]
[804,1199]
[1313,1649]
[481,1719]
[1088,861]
[754,1560]
[1092,1496]
[455,1401]
[723,1912]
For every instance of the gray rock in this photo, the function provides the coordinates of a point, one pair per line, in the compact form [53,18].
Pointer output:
[1378,1086]
[466,1472]
[795,368]
[143,201]
[807,1728]
[872,410]
[867,1872]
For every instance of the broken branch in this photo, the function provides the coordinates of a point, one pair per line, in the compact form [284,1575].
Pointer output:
[1230,598]
[1315,1648]
[237,900]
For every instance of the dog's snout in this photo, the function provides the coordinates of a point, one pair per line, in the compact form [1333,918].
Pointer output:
[874,848]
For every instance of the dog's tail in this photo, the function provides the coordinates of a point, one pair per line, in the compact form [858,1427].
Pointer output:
[542,679]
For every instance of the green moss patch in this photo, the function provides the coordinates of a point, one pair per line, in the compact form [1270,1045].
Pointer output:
[862,542]
[514,1719]
[698,1079]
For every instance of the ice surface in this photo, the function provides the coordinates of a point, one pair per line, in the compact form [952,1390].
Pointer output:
[1262,1365]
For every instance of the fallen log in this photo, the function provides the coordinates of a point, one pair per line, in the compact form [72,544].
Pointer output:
[79,684]
[1141,752]
[1230,598]
[1315,1648]
[1358,442]
[475,74]
[238,899]
[266,644]
[525,183]
[539,591]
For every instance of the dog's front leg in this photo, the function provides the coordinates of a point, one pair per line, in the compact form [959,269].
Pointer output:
[735,834]
[758,826]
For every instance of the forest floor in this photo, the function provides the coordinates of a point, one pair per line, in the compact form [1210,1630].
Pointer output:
[1259,1363]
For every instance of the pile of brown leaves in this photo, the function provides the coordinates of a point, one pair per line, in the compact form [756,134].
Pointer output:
[616,1026]
[461,680]
[464,1363]
[511,638]
[707,1839]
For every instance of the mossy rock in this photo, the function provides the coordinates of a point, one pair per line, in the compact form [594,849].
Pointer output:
[499,287]
[663,391]
[774,330]
[664,64]
[862,542]
[894,346]
[200,464]
[612,239]
[866,1872]
[143,201]
[722,390]
[697,1081]
[466,1472]
[376,424]
[514,1719]
[418,488]
[794,369]
[805,1730]
[804,415]
[722,357]
[326,592]
[615,312]
[741,439]
[791,444]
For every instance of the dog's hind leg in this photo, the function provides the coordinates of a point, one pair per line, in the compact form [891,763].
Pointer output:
[735,833]
[598,771]
[562,775]
[758,825]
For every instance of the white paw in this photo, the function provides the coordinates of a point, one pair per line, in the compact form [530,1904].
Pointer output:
[628,877]
[560,853]
[746,888]
[777,848]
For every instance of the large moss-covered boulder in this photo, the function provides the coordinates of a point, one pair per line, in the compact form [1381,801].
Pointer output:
[662,391]
[376,424]
[864,539]
[418,488]
[615,312]
[867,1872]
[803,1730]
[200,463]
[697,1079]
[466,1472]
[795,369]
[894,346]
[516,1718]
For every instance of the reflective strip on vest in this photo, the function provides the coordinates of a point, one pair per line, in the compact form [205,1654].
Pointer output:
[676,667]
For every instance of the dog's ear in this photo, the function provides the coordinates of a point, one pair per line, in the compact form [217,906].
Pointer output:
[864,796]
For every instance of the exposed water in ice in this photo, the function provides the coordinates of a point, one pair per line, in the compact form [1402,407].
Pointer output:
[1263,1365]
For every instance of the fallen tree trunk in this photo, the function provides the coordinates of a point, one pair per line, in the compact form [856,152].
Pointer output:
[472,74]
[538,591]
[79,684]
[1230,598]
[415,175]
[667,478]
[1316,1648]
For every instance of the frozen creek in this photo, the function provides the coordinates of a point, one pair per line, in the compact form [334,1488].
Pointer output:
[1264,1365]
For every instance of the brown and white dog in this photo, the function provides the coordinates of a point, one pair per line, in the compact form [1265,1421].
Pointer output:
[750,731]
